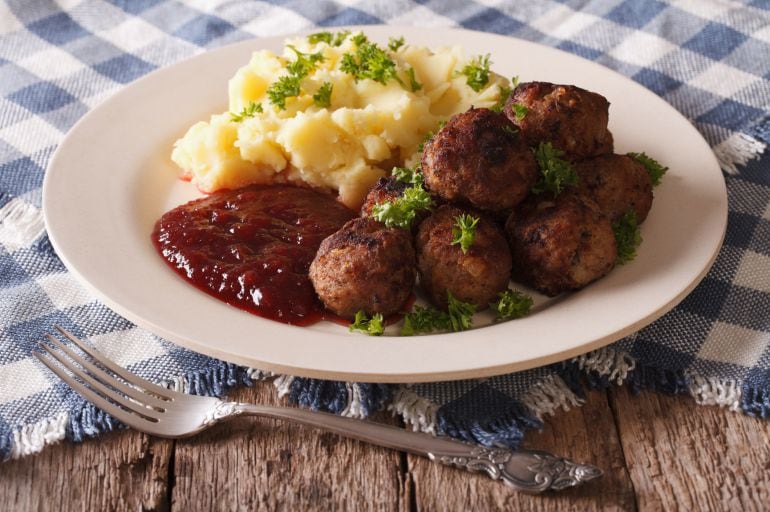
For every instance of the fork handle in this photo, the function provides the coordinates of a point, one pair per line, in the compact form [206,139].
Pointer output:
[526,470]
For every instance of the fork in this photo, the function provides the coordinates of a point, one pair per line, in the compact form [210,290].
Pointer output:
[162,412]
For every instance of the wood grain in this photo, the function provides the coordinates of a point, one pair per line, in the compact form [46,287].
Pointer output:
[119,471]
[255,464]
[683,458]
[585,434]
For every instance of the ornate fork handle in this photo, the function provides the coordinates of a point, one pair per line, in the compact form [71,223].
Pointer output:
[525,470]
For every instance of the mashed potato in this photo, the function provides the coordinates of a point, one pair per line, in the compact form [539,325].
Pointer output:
[345,144]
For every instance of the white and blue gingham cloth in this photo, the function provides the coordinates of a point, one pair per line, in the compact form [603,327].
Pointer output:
[709,59]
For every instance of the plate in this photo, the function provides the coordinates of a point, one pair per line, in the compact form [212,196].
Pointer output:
[111,179]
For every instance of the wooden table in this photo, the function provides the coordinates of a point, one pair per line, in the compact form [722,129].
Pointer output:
[658,453]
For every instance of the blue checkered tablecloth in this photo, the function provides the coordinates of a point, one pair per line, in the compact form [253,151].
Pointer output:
[709,59]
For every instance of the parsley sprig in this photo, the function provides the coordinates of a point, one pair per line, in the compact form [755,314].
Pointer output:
[512,304]
[395,43]
[402,211]
[423,320]
[327,37]
[369,61]
[519,112]
[464,231]
[477,72]
[323,97]
[288,86]
[460,313]
[429,136]
[414,85]
[504,93]
[249,110]
[410,175]
[373,326]
[627,237]
[654,168]
[556,174]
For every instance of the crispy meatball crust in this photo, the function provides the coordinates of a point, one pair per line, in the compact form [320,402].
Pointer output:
[572,119]
[478,158]
[476,276]
[364,266]
[385,190]
[560,245]
[617,184]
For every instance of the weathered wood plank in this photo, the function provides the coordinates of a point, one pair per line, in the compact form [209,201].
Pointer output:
[257,464]
[119,471]
[684,457]
[585,434]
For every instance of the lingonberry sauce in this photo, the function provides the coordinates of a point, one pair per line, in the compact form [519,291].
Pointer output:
[252,247]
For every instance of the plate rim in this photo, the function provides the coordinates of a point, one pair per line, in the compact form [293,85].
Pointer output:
[486,371]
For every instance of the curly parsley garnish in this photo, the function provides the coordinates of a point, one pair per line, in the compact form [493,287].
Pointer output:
[519,112]
[335,39]
[395,43]
[504,93]
[654,168]
[423,320]
[372,326]
[287,86]
[477,72]
[627,237]
[250,110]
[460,313]
[429,136]
[512,304]
[402,211]
[413,83]
[370,61]
[464,231]
[556,174]
[410,175]
[323,97]
[304,64]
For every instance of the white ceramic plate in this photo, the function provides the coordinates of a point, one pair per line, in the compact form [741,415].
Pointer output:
[111,179]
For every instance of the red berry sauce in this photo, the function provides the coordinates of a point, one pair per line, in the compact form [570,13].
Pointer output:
[252,247]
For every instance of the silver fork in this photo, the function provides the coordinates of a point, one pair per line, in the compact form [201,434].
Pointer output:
[162,412]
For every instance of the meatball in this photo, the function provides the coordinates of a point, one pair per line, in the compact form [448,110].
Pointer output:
[560,245]
[617,184]
[385,190]
[364,266]
[572,119]
[476,276]
[479,158]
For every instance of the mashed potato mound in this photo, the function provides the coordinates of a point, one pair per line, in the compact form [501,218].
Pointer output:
[366,129]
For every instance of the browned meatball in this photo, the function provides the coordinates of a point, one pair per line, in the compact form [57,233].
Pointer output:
[560,245]
[572,119]
[364,266]
[617,184]
[479,158]
[476,276]
[385,190]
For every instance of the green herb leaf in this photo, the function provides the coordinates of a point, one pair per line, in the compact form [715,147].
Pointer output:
[305,62]
[320,37]
[360,39]
[464,231]
[654,168]
[515,82]
[627,237]
[395,43]
[413,83]
[401,211]
[412,175]
[512,304]
[519,111]
[250,110]
[500,105]
[323,97]
[423,320]
[370,61]
[372,326]
[429,136]
[340,37]
[460,313]
[477,72]
[286,87]
[556,174]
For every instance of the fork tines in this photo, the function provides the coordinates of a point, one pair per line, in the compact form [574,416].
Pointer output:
[126,398]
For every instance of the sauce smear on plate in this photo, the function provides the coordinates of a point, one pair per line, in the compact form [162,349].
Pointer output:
[252,247]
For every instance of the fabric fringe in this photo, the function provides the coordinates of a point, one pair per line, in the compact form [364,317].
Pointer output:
[737,150]
[418,412]
[355,400]
[549,395]
[506,429]
[710,391]
[33,438]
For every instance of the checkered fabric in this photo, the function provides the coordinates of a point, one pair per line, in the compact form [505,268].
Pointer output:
[709,59]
